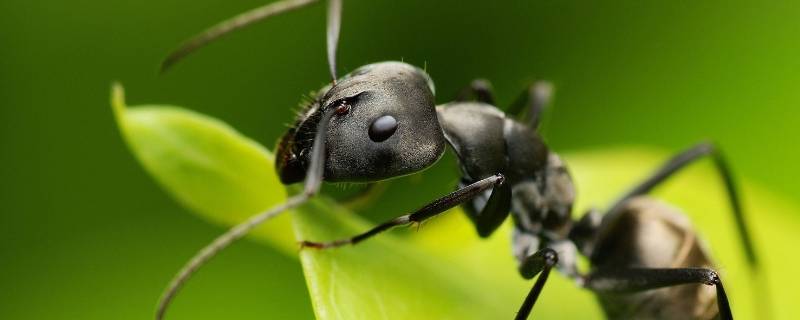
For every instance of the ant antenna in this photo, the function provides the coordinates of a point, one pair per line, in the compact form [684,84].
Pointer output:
[314,175]
[227,26]
[334,24]
[312,185]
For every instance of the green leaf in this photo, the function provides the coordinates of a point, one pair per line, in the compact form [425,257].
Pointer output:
[206,165]
[444,271]
[388,278]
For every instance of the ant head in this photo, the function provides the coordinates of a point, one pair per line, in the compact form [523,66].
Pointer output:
[384,126]
[384,122]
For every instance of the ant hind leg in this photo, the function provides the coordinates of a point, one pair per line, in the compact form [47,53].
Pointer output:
[629,280]
[674,165]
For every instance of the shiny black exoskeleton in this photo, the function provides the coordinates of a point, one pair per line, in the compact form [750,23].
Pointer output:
[508,170]
[381,121]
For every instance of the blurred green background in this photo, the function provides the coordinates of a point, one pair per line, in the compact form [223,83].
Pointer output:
[86,234]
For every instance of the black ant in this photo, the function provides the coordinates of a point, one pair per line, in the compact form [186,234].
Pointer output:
[381,122]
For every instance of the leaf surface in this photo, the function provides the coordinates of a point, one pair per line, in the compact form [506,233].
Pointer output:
[444,271]
[206,165]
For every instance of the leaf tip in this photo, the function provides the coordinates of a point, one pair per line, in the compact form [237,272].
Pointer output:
[118,100]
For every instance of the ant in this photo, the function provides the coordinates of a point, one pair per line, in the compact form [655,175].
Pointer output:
[381,122]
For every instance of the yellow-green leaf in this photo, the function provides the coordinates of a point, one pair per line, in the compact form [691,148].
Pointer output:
[206,165]
[445,271]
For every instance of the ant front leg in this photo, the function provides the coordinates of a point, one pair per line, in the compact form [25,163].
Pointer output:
[628,280]
[428,211]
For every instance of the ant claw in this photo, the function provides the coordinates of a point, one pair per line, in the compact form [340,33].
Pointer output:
[309,244]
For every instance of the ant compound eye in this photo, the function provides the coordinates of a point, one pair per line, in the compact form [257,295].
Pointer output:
[342,108]
[382,128]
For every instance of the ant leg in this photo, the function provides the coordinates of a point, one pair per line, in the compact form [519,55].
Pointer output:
[678,162]
[430,210]
[488,214]
[481,89]
[584,232]
[312,185]
[629,280]
[532,101]
[538,263]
